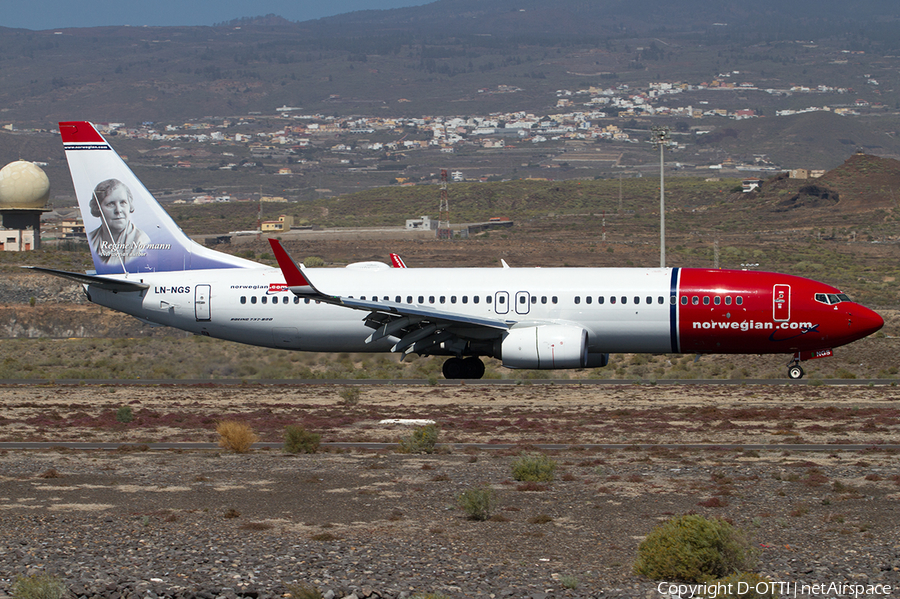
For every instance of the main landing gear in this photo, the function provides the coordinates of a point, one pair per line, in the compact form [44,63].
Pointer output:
[463,368]
[794,370]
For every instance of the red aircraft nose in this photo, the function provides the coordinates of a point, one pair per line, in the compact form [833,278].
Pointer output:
[863,321]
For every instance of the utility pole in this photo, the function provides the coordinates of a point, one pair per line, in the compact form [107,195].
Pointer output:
[661,138]
[443,230]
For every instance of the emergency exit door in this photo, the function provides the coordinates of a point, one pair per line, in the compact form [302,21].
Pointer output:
[201,302]
[781,303]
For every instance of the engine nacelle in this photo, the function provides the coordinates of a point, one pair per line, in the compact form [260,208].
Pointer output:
[545,347]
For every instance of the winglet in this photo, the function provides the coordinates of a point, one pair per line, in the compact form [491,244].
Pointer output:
[397,261]
[295,278]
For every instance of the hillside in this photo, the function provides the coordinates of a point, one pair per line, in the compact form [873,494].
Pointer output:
[813,139]
[439,58]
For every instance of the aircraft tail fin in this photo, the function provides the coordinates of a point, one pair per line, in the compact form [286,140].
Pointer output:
[128,230]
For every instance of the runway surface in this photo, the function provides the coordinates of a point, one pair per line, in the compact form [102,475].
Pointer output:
[460,447]
[444,382]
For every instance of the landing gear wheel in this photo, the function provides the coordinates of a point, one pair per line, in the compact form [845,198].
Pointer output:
[795,372]
[458,368]
[453,368]
[474,368]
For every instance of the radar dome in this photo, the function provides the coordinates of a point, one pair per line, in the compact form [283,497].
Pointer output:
[23,185]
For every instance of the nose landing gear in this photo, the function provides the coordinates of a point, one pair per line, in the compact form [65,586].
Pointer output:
[794,370]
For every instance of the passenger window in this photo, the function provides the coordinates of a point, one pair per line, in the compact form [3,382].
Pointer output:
[705,300]
[430,299]
[522,299]
[362,297]
[265,299]
[543,299]
[577,299]
[588,299]
[285,300]
[408,299]
[739,300]
[727,300]
[243,299]
[533,299]
[397,299]
[465,299]
[476,299]
[717,300]
[637,300]
[612,299]
[296,299]
[452,299]
[443,299]
[488,299]
[421,299]
[502,299]
[650,299]
[306,300]
[695,300]
[624,300]
[601,299]
[386,298]
[554,299]
[661,300]
[684,300]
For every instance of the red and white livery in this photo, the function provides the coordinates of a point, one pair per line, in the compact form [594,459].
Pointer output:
[536,318]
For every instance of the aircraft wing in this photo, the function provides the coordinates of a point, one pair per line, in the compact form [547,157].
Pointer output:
[417,327]
[107,283]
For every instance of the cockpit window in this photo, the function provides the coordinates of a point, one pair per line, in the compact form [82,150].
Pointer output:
[832,298]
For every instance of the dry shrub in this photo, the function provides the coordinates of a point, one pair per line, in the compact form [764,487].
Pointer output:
[37,586]
[534,468]
[298,440]
[540,519]
[742,585]
[478,503]
[695,549]
[235,436]
[422,440]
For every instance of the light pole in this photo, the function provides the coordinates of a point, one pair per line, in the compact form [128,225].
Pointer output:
[661,138]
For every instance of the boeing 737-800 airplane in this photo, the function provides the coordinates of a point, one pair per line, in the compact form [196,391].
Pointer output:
[536,318]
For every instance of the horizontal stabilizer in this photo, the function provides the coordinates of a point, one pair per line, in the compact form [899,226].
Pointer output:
[107,283]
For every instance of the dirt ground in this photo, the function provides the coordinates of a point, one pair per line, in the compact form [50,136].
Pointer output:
[466,413]
[383,520]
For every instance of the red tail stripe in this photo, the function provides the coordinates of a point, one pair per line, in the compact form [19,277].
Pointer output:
[79,132]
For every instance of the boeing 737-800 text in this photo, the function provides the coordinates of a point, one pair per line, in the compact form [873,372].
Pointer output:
[535,318]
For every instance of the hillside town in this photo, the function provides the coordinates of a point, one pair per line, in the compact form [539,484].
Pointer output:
[594,113]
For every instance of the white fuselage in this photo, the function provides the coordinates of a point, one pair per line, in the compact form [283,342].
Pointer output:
[254,306]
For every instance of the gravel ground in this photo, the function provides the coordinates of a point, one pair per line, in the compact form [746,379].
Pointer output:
[131,524]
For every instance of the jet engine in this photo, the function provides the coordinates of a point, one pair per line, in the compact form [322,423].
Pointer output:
[545,347]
